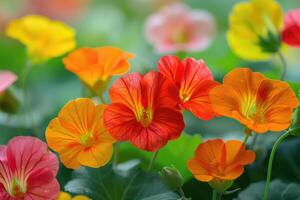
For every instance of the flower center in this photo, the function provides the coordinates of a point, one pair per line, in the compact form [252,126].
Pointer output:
[17,189]
[184,97]
[87,139]
[248,107]
[145,117]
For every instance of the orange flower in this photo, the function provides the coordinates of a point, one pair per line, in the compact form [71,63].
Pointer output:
[78,135]
[216,160]
[95,66]
[259,103]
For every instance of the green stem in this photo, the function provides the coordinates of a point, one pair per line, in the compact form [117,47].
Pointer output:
[152,160]
[181,192]
[246,138]
[253,141]
[215,194]
[284,66]
[220,196]
[275,147]
[116,155]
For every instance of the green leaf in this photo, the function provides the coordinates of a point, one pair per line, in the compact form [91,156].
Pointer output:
[295,127]
[108,184]
[176,152]
[278,191]
[296,88]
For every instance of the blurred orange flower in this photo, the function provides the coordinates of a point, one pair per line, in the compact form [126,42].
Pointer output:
[259,103]
[95,66]
[219,160]
[78,135]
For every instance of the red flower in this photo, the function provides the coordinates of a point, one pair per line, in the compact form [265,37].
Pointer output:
[291,31]
[144,111]
[194,80]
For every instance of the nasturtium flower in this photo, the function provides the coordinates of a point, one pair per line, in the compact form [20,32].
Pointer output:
[78,135]
[28,170]
[194,80]
[66,10]
[261,104]
[66,196]
[43,38]
[216,160]
[254,29]
[95,66]
[144,111]
[178,28]
[7,78]
[291,31]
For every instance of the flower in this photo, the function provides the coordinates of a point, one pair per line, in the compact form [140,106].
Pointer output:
[43,37]
[144,111]
[7,78]
[95,66]
[66,196]
[194,80]
[254,29]
[177,28]
[216,160]
[27,170]
[259,103]
[79,136]
[66,10]
[291,31]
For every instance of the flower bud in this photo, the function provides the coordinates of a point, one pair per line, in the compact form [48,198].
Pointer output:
[8,102]
[171,177]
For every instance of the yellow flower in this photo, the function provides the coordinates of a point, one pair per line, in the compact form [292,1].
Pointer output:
[254,29]
[43,37]
[66,196]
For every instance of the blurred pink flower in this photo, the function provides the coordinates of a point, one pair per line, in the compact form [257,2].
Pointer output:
[7,78]
[27,170]
[177,28]
[291,31]
[66,10]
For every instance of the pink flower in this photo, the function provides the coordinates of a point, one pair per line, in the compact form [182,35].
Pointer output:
[27,170]
[7,78]
[177,28]
[291,31]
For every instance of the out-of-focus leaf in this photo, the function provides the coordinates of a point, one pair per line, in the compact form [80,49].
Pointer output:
[295,127]
[296,88]
[278,191]
[106,184]
[176,152]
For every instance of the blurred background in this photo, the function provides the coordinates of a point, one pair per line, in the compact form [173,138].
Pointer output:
[121,23]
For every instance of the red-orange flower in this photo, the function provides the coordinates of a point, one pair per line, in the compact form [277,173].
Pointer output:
[219,160]
[144,111]
[95,66]
[259,103]
[194,80]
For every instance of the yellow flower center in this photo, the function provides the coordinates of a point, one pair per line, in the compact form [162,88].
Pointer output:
[145,117]
[17,189]
[87,140]
[184,97]
[248,107]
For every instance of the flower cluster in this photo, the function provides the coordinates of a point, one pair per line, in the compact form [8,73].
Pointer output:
[147,109]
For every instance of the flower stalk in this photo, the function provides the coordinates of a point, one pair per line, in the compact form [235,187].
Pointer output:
[270,164]
[152,162]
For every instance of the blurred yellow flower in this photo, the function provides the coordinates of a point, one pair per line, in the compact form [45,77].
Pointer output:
[66,196]
[254,29]
[43,37]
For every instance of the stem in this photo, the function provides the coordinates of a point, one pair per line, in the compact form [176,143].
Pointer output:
[275,147]
[152,161]
[102,99]
[215,194]
[116,156]
[284,65]
[246,138]
[220,196]
[253,141]
[181,192]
